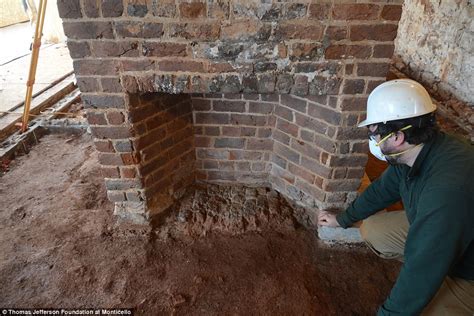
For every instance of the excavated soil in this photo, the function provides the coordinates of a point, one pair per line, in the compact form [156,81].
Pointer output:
[220,250]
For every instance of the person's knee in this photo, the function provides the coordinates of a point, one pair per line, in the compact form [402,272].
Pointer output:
[372,229]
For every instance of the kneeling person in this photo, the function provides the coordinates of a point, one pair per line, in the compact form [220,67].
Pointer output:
[433,174]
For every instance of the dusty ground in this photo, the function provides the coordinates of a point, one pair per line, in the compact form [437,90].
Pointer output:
[221,251]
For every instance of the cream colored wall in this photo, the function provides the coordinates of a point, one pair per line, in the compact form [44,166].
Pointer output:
[53,25]
[11,12]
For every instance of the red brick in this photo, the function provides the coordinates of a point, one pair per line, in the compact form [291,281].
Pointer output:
[353,86]
[129,159]
[373,84]
[260,144]
[116,196]
[259,166]
[96,118]
[281,137]
[212,131]
[153,49]
[243,166]
[360,148]
[201,105]
[377,32]
[359,51]
[78,49]
[221,175]
[195,31]
[349,69]
[293,103]
[220,67]
[111,132]
[138,65]
[355,12]
[372,69]
[351,133]
[88,30]
[111,84]
[305,148]
[228,106]
[250,120]
[305,51]
[348,51]
[202,141]
[355,173]
[96,67]
[335,52]
[339,173]
[286,152]
[354,104]
[210,164]
[181,65]
[319,11]
[91,8]
[264,132]
[111,8]
[115,118]
[283,174]
[383,51]
[324,114]
[324,143]
[128,172]
[391,12]
[115,49]
[300,172]
[336,33]
[260,107]
[310,123]
[192,10]
[104,146]
[69,9]
[287,127]
[229,143]
[247,131]
[341,185]
[314,166]
[104,101]
[212,118]
[348,161]
[110,172]
[311,190]
[230,131]
[110,159]
[299,31]
[284,113]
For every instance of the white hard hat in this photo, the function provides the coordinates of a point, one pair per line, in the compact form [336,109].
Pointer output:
[396,100]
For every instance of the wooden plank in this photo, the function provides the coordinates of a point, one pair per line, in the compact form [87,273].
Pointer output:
[39,103]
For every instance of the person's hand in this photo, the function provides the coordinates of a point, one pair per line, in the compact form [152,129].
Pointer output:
[326,218]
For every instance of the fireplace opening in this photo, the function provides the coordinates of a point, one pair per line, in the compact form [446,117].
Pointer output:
[293,144]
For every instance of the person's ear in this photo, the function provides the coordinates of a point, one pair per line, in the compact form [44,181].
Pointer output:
[399,139]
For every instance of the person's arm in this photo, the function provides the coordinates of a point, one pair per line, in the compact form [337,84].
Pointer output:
[440,233]
[381,193]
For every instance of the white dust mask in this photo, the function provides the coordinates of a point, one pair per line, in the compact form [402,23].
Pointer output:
[375,150]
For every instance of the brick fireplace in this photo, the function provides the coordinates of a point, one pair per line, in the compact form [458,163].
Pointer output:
[263,93]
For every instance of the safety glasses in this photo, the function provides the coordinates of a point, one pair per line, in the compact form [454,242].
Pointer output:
[373,134]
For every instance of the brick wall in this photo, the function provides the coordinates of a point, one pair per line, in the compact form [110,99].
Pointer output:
[276,89]
[234,137]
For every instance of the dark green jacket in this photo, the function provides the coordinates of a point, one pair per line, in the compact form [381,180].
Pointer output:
[438,195]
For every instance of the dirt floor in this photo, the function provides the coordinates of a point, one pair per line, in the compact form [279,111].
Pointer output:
[221,251]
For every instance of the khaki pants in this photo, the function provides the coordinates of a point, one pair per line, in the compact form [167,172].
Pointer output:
[385,234]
